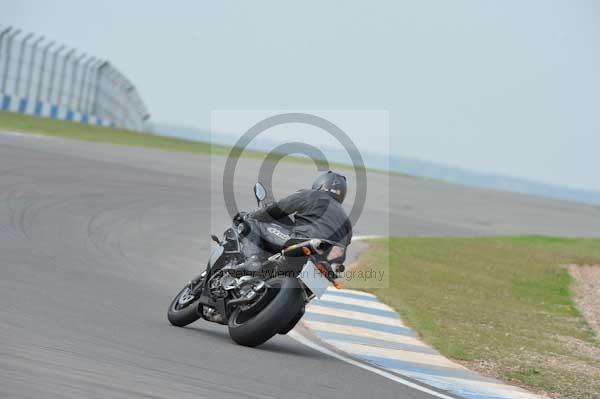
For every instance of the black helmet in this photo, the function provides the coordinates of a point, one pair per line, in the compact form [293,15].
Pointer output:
[333,183]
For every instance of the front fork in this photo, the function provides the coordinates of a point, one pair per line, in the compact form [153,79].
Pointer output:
[197,283]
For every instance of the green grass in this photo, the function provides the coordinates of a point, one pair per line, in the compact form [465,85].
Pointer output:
[502,306]
[77,131]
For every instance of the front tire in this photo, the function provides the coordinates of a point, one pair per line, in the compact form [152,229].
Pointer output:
[286,302]
[181,314]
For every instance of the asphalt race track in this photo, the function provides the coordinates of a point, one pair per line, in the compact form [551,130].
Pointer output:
[96,239]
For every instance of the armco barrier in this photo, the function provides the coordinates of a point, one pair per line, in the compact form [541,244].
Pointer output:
[41,77]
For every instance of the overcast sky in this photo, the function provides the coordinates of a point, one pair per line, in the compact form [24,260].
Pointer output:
[507,86]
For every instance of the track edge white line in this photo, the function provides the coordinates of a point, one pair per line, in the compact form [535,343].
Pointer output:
[391,376]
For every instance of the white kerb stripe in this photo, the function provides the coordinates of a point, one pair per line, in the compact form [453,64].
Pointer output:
[353,301]
[397,354]
[352,292]
[362,332]
[349,314]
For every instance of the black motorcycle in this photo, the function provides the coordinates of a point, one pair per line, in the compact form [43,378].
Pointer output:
[271,300]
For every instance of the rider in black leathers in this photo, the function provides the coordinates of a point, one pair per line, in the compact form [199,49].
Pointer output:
[317,213]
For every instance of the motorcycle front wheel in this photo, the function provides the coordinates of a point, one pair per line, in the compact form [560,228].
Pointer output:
[254,325]
[183,309]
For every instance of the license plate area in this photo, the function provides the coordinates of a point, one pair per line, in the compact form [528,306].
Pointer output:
[313,279]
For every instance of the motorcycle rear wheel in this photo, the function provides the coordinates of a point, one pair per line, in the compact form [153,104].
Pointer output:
[248,327]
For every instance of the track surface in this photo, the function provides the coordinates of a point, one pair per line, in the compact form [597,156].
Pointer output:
[96,239]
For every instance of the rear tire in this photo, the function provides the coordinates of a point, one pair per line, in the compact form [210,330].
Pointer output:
[273,318]
[293,322]
[182,316]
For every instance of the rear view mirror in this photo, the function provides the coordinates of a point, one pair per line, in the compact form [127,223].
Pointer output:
[260,193]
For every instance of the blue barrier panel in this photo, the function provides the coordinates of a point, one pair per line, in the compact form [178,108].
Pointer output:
[38,108]
[54,112]
[22,105]
[5,103]
[69,115]
[85,118]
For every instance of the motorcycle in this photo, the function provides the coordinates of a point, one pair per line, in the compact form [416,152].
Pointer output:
[272,301]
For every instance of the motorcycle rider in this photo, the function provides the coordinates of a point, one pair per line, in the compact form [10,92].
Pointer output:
[316,213]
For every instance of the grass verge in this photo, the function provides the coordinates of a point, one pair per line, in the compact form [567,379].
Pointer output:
[77,131]
[58,128]
[501,306]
